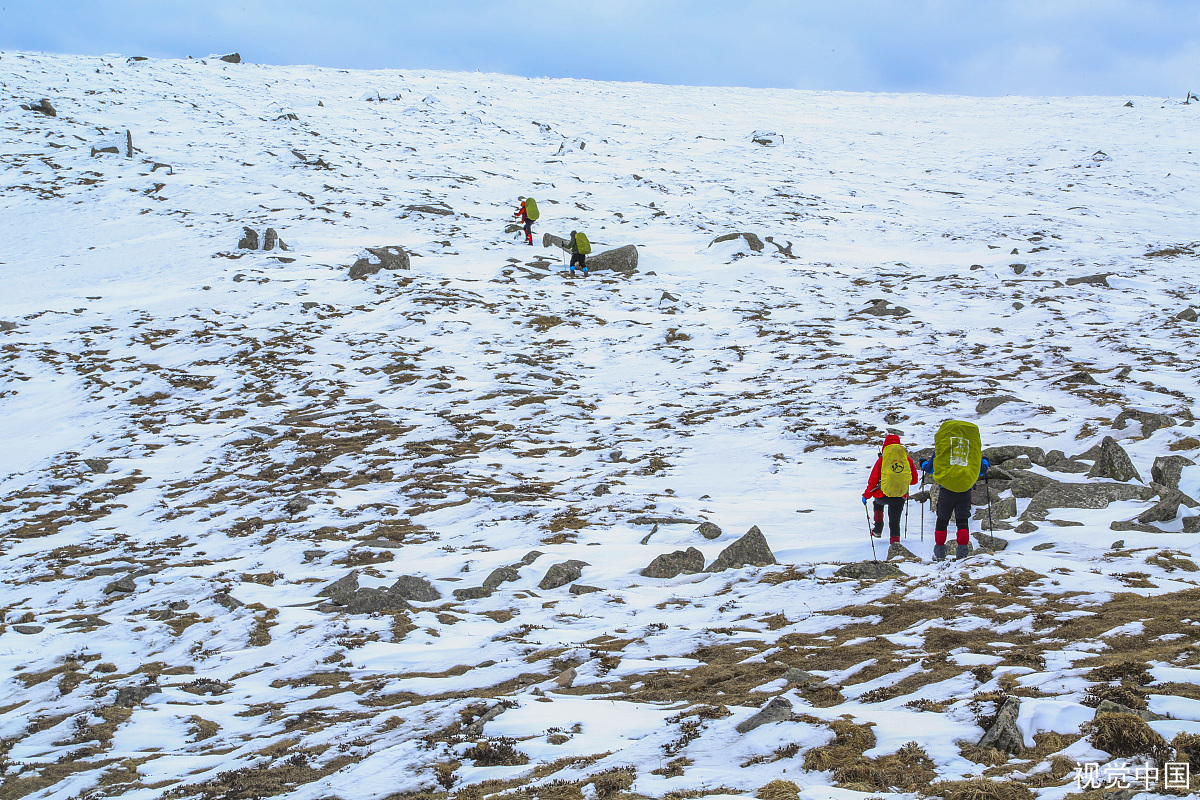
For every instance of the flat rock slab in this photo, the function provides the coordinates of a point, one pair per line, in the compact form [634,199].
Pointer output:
[869,570]
[1083,495]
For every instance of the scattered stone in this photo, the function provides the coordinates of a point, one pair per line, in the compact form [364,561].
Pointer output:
[1167,470]
[750,550]
[227,601]
[416,589]
[475,729]
[799,677]
[472,593]
[869,570]
[6,326]
[126,584]
[501,575]
[43,106]
[441,210]
[1065,523]
[566,678]
[1044,546]
[297,504]
[601,490]
[231,58]
[29,629]
[881,308]
[988,404]
[1004,734]
[1167,508]
[767,138]
[100,465]
[271,240]
[377,258]
[530,557]
[130,696]
[709,530]
[755,243]
[1004,508]
[993,543]
[1029,484]
[778,709]
[669,565]
[644,520]
[1057,461]
[582,588]
[249,240]
[1150,421]
[1026,527]
[1191,524]
[562,573]
[1113,463]
[1133,525]
[1080,377]
[1119,544]
[1003,453]
[1188,315]
[371,601]
[1109,707]
[1082,495]
[898,552]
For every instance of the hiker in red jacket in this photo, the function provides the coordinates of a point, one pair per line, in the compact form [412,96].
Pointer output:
[893,473]
[526,221]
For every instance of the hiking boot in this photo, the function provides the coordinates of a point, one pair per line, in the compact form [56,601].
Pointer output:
[939,552]
[962,551]
[878,534]
[572,273]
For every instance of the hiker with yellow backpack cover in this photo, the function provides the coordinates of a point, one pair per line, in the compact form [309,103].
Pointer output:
[957,464]
[888,485]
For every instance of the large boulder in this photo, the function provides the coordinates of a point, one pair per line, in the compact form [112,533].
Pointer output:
[377,258]
[668,565]
[989,404]
[501,575]
[1057,461]
[1167,470]
[1029,484]
[1083,495]
[1167,508]
[1004,734]
[777,709]
[1150,421]
[750,550]
[562,573]
[1113,462]
[371,601]
[411,587]
[709,530]
[1007,452]
[342,589]
[1004,508]
[869,570]
[623,260]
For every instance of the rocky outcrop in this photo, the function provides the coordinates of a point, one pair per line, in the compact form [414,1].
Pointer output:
[1167,470]
[562,573]
[1004,734]
[1150,421]
[882,308]
[42,106]
[752,240]
[1008,452]
[270,240]
[750,550]
[418,590]
[1082,495]
[669,565]
[778,709]
[1113,462]
[869,570]
[1167,508]
[623,260]
[347,596]
[376,258]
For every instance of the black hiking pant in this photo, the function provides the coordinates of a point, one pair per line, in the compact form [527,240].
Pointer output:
[895,509]
[577,259]
[957,504]
[528,230]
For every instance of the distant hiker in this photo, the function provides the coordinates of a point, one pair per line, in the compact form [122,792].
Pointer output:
[956,465]
[579,246]
[893,473]
[528,214]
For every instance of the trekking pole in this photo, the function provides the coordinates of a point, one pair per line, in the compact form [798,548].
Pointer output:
[923,507]
[987,487]
[870,536]
[906,502]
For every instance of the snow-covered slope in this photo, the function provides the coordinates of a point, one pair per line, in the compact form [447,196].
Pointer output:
[199,437]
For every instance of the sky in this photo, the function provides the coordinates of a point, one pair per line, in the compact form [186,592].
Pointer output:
[970,47]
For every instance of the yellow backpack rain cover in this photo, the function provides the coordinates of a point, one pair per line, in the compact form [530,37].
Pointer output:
[531,209]
[895,474]
[958,455]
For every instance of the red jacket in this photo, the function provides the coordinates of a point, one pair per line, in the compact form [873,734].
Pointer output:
[521,213]
[873,490]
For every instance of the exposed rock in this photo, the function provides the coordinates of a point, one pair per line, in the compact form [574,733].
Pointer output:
[709,530]
[755,243]
[778,709]
[1029,484]
[1109,707]
[1167,470]
[126,584]
[799,677]
[999,455]
[232,58]
[566,678]
[530,557]
[881,308]
[416,589]
[472,593]
[562,573]
[1004,733]
[501,575]
[43,106]
[1167,508]
[1191,524]
[377,258]
[1100,279]
[601,490]
[6,325]
[271,240]
[898,552]
[1080,377]
[227,601]
[1004,508]
[993,543]
[668,565]
[751,550]
[1083,495]
[1150,421]
[1133,525]
[1057,461]
[249,240]
[29,629]
[438,210]
[1025,527]
[767,138]
[988,404]
[1188,315]
[1044,546]
[1113,462]
[341,590]
[475,729]
[297,504]
[644,520]
[371,601]
[869,570]
[622,259]
[1119,544]
[130,696]
[582,588]
[100,465]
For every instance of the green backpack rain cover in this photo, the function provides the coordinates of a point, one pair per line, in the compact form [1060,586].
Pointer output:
[958,454]
[531,209]
[581,243]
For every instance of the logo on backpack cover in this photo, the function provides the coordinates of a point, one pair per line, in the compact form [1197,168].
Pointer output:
[960,451]
[895,474]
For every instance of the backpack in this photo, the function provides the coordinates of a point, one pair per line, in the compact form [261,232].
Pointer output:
[895,473]
[581,243]
[957,457]
[531,209]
